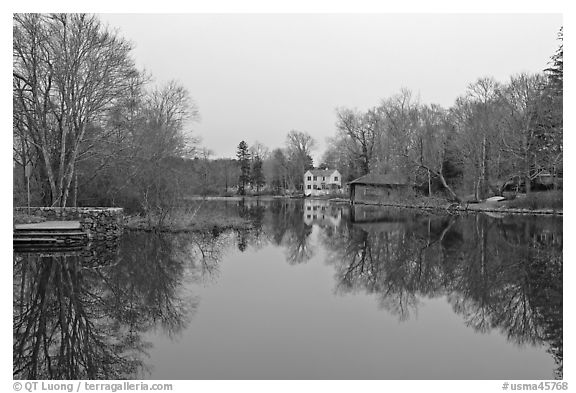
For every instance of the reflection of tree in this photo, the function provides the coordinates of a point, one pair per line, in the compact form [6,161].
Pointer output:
[385,259]
[547,301]
[499,285]
[289,230]
[144,285]
[297,242]
[74,319]
[503,274]
[61,330]
[281,213]
[281,223]
[203,251]
[253,211]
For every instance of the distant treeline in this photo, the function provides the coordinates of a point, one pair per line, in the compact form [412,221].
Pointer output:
[88,129]
[496,135]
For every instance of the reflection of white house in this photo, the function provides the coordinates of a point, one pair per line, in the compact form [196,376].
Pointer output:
[321,182]
[321,212]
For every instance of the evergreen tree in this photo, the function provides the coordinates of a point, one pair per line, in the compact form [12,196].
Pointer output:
[556,71]
[244,161]
[550,127]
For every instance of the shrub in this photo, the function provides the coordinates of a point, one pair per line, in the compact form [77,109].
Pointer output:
[538,200]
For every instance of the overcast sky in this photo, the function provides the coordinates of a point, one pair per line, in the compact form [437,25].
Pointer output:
[255,77]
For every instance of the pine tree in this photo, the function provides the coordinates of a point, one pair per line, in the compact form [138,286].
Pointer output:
[244,161]
[556,71]
[550,125]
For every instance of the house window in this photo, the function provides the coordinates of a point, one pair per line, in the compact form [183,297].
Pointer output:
[315,178]
[335,178]
[308,216]
[309,178]
[307,207]
[309,186]
[323,178]
[315,187]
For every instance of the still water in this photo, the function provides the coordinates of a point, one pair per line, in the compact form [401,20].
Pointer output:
[313,291]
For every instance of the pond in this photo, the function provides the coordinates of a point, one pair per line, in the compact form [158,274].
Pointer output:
[312,291]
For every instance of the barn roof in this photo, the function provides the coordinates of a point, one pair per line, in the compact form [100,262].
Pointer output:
[373,179]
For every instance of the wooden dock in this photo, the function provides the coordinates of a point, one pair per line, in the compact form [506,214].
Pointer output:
[49,234]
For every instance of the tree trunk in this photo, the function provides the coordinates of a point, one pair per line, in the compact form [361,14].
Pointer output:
[483,178]
[50,174]
[25,174]
[527,180]
[443,181]
[75,198]
[447,187]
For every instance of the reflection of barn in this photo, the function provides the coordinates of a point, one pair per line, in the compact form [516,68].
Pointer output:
[366,214]
[420,226]
[378,188]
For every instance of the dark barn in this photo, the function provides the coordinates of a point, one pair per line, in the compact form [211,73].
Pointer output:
[379,188]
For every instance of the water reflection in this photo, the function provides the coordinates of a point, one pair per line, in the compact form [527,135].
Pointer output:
[74,319]
[283,226]
[497,274]
[86,315]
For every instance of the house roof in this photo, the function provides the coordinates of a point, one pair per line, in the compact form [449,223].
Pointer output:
[380,180]
[321,172]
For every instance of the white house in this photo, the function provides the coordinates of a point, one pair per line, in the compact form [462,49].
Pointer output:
[322,182]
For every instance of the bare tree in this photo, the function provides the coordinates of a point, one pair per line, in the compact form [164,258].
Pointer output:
[299,146]
[522,99]
[401,114]
[162,135]
[258,149]
[278,170]
[477,118]
[68,69]
[417,136]
[361,130]
[433,143]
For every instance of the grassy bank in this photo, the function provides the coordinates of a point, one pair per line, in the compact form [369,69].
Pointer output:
[537,201]
[200,222]
[549,202]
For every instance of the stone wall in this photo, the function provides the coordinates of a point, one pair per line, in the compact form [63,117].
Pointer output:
[101,223]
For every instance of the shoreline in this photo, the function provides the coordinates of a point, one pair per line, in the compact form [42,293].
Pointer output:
[470,208]
[482,207]
[223,223]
